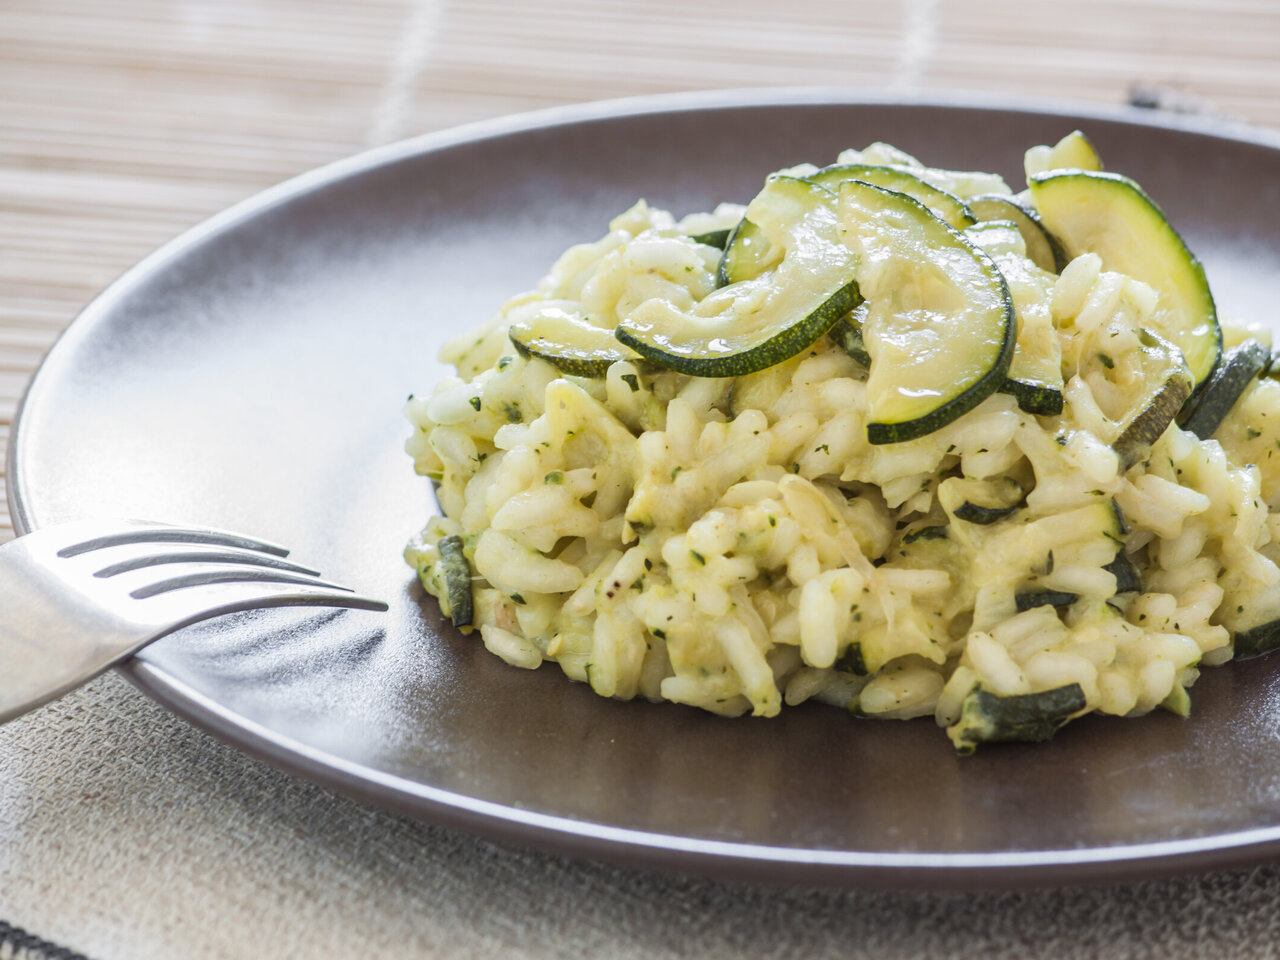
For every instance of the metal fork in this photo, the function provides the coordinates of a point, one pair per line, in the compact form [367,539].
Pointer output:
[79,597]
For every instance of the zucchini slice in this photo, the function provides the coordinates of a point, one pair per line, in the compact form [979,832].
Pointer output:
[747,254]
[457,579]
[940,325]
[1159,408]
[981,501]
[1035,374]
[713,238]
[754,324]
[851,661]
[847,333]
[1042,249]
[1128,579]
[987,718]
[1107,214]
[569,342]
[1203,414]
[1072,152]
[1257,640]
[1044,598]
[945,206]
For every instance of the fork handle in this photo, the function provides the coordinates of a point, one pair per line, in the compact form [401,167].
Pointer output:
[43,648]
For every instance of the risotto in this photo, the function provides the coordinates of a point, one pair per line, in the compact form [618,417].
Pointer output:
[890,437]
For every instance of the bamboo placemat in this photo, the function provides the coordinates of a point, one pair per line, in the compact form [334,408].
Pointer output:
[123,122]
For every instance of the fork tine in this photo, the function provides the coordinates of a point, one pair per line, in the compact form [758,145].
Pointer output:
[153,533]
[204,578]
[219,599]
[203,556]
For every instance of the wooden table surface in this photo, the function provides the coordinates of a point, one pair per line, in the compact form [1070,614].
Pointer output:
[123,122]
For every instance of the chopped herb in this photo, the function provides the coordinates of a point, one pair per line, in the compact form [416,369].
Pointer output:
[631,380]
[638,583]
[555,476]
[675,471]
[795,468]
[698,558]
[518,599]
[1106,361]
[1252,434]
[504,362]
[823,448]
[773,521]
[475,403]
[660,634]
[513,413]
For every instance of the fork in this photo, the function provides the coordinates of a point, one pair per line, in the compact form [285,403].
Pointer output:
[77,598]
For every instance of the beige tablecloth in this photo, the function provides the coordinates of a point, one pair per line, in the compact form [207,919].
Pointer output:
[124,833]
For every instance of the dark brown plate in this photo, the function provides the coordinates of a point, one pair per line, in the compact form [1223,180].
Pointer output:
[250,375]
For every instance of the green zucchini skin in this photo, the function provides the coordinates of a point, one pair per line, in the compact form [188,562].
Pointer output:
[812,285]
[782,346]
[848,337]
[1044,598]
[1240,365]
[568,343]
[986,501]
[746,249]
[1128,579]
[1040,399]
[457,578]
[847,334]
[947,207]
[971,512]
[1030,717]
[851,661]
[713,238]
[935,532]
[1258,640]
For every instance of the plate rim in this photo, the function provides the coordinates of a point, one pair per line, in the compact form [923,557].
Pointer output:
[731,860]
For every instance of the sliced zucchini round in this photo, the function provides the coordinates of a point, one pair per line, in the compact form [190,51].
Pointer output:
[1107,214]
[1204,413]
[1128,579]
[945,206]
[981,501]
[847,333]
[713,238]
[756,323]
[747,254]
[1072,152]
[1156,411]
[457,578]
[1256,641]
[1044,598]
[940,325]
[569,342]
[987,718]
[1042,249]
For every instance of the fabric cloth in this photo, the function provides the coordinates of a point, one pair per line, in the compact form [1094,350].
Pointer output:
[132,835]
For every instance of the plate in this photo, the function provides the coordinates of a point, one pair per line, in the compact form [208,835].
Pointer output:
[251,375]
